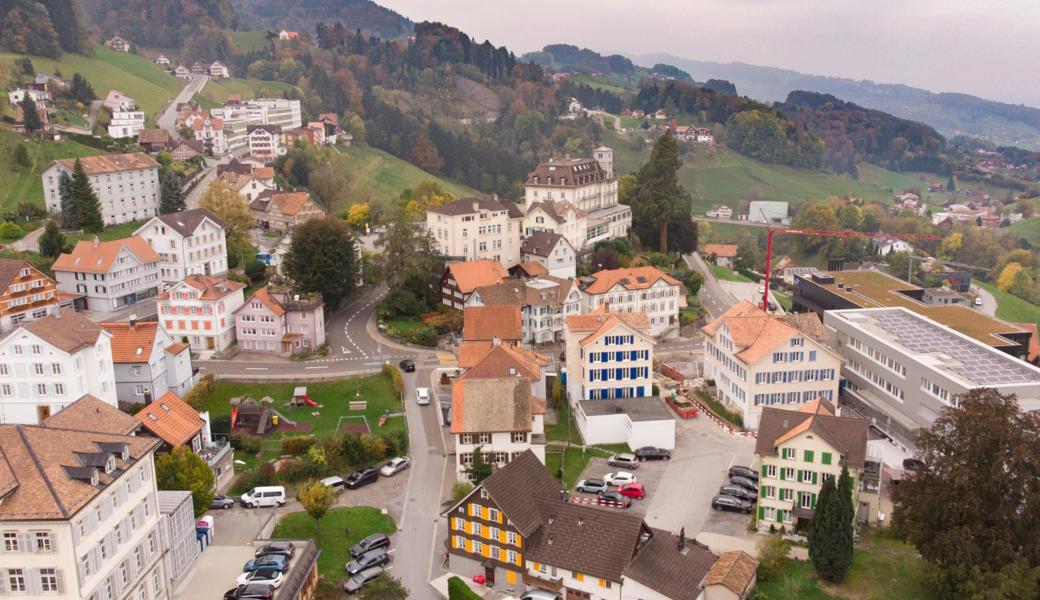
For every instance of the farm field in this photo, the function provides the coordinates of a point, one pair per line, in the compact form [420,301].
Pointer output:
[23,184]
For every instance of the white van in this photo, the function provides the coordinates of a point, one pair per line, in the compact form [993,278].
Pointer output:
[270,495]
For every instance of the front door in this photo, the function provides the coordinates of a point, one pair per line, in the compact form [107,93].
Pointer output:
[489,575]
[210,344]
[43,412]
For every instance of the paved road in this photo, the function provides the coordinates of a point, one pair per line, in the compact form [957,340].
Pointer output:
[989,301]
[29,243]
[712,295]
[167,119]
[732,222]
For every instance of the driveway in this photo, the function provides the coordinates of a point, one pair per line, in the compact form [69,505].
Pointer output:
[989,302]
[649,474]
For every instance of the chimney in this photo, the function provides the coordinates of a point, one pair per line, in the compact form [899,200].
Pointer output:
[682,539]
[476,206]
[495,341]
[133,321]
[97,242]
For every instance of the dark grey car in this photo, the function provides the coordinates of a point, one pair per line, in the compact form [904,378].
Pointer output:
[738,492]
[373,558]
[376,540]
[355,583]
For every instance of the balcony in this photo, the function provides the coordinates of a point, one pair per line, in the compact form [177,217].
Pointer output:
[215,452]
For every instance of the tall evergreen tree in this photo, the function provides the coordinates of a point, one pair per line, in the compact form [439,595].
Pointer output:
[30,114]
[52,242]
[67,22]
[322,258]
[80,89]
[171,199]
[69,218]
[830,532]
[86,204]
[659,199]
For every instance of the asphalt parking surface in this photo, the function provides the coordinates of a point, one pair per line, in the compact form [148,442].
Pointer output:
[649,474]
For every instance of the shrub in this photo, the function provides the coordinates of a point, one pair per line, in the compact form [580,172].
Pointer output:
[460,489]
[458,590]
[374,447]
[11,231]
[395,376]
[235,276]
[200,394]
[220,424]
[256,271]
[396,442]
[773,552]
[296,445]
[297,469]
[246,443]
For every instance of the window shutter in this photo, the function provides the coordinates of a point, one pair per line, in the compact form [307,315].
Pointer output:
[3,580]
[814,500]
[761,512]
[763,471]
[815,478]
[782,478]
[762,491]
[25,543]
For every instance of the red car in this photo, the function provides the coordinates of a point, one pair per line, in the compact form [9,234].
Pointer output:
[633,490]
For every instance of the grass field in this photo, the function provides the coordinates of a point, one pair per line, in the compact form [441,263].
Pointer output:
[726,275]
[249,41]
[377,177]
[145,82]
[1012,308]
[113,232]
[21,184]
[361,521]
[613,85]
[1028,230]
[216,92]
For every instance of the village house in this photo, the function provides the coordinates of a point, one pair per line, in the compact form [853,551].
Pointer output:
[126,124]
[284,211]
[757,360]
[118,44]
[720,211]
[638,289]
[518,530]
[127,185]
[249,186]
[498,418]
[724,254]
[189,242]
[887,245]
[26,294]
[798,449]
[544,302]
[199,69]
[552,251]
[280,322]
[266,142]
[108,276]
[47,364]
[147,362]
[461,279]
[284,35]
[117,101]
[210,132]
[182,72]
[178,425]
[17,96]
[162,61]
[492,324]
[219,70]
[497,359]
[475,229]
[154,140]
[560,218]
[185,150]
[200,310]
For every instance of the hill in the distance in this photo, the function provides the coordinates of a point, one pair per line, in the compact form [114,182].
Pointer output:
[303,15]
[952,114]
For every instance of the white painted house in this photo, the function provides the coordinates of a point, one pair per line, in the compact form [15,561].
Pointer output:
[126,124]
[637,290]
[109,275]
[127,185]
[474,229]
[190,242]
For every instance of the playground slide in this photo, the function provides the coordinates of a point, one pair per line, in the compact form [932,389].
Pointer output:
[308,400]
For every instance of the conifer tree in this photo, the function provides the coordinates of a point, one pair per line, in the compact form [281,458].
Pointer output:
[171,197]
[52,242]
[830,531]
[86,203]
[69,218]
[30,114]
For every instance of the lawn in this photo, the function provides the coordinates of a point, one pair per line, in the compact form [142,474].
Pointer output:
[379,177]
[249,41]
[22,184]
[1012,308]
[216,92]
[881,571]
[405,325]
[112,232]
[783,300]
[725,274]
[574,457]
[147,83]
[1028,230]
[360,521]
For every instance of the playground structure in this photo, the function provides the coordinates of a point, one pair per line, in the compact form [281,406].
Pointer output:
[259,417]
[300,398]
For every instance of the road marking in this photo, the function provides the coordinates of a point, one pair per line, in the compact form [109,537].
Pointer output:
[318,367]
[344,350]
[256,368]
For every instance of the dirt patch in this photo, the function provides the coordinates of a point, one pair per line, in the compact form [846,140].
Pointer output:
[354,427]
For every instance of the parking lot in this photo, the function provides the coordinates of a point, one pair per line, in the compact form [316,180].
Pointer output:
[649,474]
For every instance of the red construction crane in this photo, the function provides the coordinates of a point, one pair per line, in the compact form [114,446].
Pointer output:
[847,233]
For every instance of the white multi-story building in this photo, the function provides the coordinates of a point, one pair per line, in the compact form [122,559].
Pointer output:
[552,251]
[757,360]
[109,275]
[238,118]
[560,218]
[608,356]
[127,185]
[148,362]
[126,124]
[471,229]
[79,517]
[219,70]
[190,242]
[499,417]
[49,363]
[210,132]
[201,310]
[544,302]
[265,142]
[590,185]
[639,290]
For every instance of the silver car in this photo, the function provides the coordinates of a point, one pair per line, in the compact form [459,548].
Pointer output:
[422,396]
[395,466]
[537,594]
[626,460]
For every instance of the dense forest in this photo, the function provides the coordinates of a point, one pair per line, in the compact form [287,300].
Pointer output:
[43,27]
[852,133]
[196,27]
[593,97]
[565,57]
[304,15]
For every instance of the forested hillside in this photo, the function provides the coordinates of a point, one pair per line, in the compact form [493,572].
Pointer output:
[197,29]
[304,15]
[42,27]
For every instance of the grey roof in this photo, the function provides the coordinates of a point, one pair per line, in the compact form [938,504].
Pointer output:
[638,409]
[541,243]
[186,222]
[677,574]
[467,206]
[847,435]
[513,486]
[171,500]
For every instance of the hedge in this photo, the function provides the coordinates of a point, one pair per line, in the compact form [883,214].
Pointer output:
[458,590]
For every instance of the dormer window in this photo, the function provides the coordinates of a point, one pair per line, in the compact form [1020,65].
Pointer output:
[110,465]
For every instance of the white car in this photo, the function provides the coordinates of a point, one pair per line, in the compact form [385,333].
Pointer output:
[422,396]
[978,300]
[272,577]
[395,466]
[335,482]
[619,478]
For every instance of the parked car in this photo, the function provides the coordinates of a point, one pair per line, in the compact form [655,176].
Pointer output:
[407,365]
[395,466]
[422,396]
[633,490]
[913,464]
[377,557]
[731,504]
[355,583]
[265,495]
[619,478]
[271,577]
[615,497]
[335,482]
[626,460]
[537,594]
[361,477]
[651,453]
[743,472]
[273,561]
[252,591]
[978,301]
[738,492]
[286,549]
[376,540]
[591,486]
[222,501]
[744,482]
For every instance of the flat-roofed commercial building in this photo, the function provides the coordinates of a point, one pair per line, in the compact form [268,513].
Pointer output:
[902,369]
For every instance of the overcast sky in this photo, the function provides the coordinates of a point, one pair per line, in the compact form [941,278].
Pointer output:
[989,48]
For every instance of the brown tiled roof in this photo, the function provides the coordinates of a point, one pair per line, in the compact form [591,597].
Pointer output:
[476,273]
[488,323]
[171,419]
[754,333]
[212,288]
[491,405]
[542,243]
[513,486]
[132,345]
[186,222]
[90,257]
[808,323]
[470,353]
[67,331]
[735,570]
[508,292]
[263,296]
[93,414]
[466,206]
[568,172]
[153,136]
[177,348]
[531,269]
[39,464]
[9,269]
[263,173]
[635,278]
[505,360]
[675,574]
[111,163]
[720,250]
[199,124]
[847,435]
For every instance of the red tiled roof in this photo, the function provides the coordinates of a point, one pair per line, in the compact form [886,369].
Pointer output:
[487,323]
[91,257]
[171,419]
[477,273]
[635,278]
[720,250]
[132,345]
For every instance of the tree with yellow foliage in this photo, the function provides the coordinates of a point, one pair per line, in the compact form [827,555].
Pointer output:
[1007,276]
[359,215]
[232,208]
[950,246]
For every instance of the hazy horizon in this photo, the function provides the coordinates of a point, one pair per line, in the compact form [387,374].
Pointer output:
[939,45]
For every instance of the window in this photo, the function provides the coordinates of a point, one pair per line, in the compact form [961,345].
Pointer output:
[578,576]
[49,580]
[788,453]
[16,580]
[770,470]
[10,541]
[493,516]
[519,437]
[43,541]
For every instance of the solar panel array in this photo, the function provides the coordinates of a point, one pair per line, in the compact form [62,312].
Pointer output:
[973,362]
